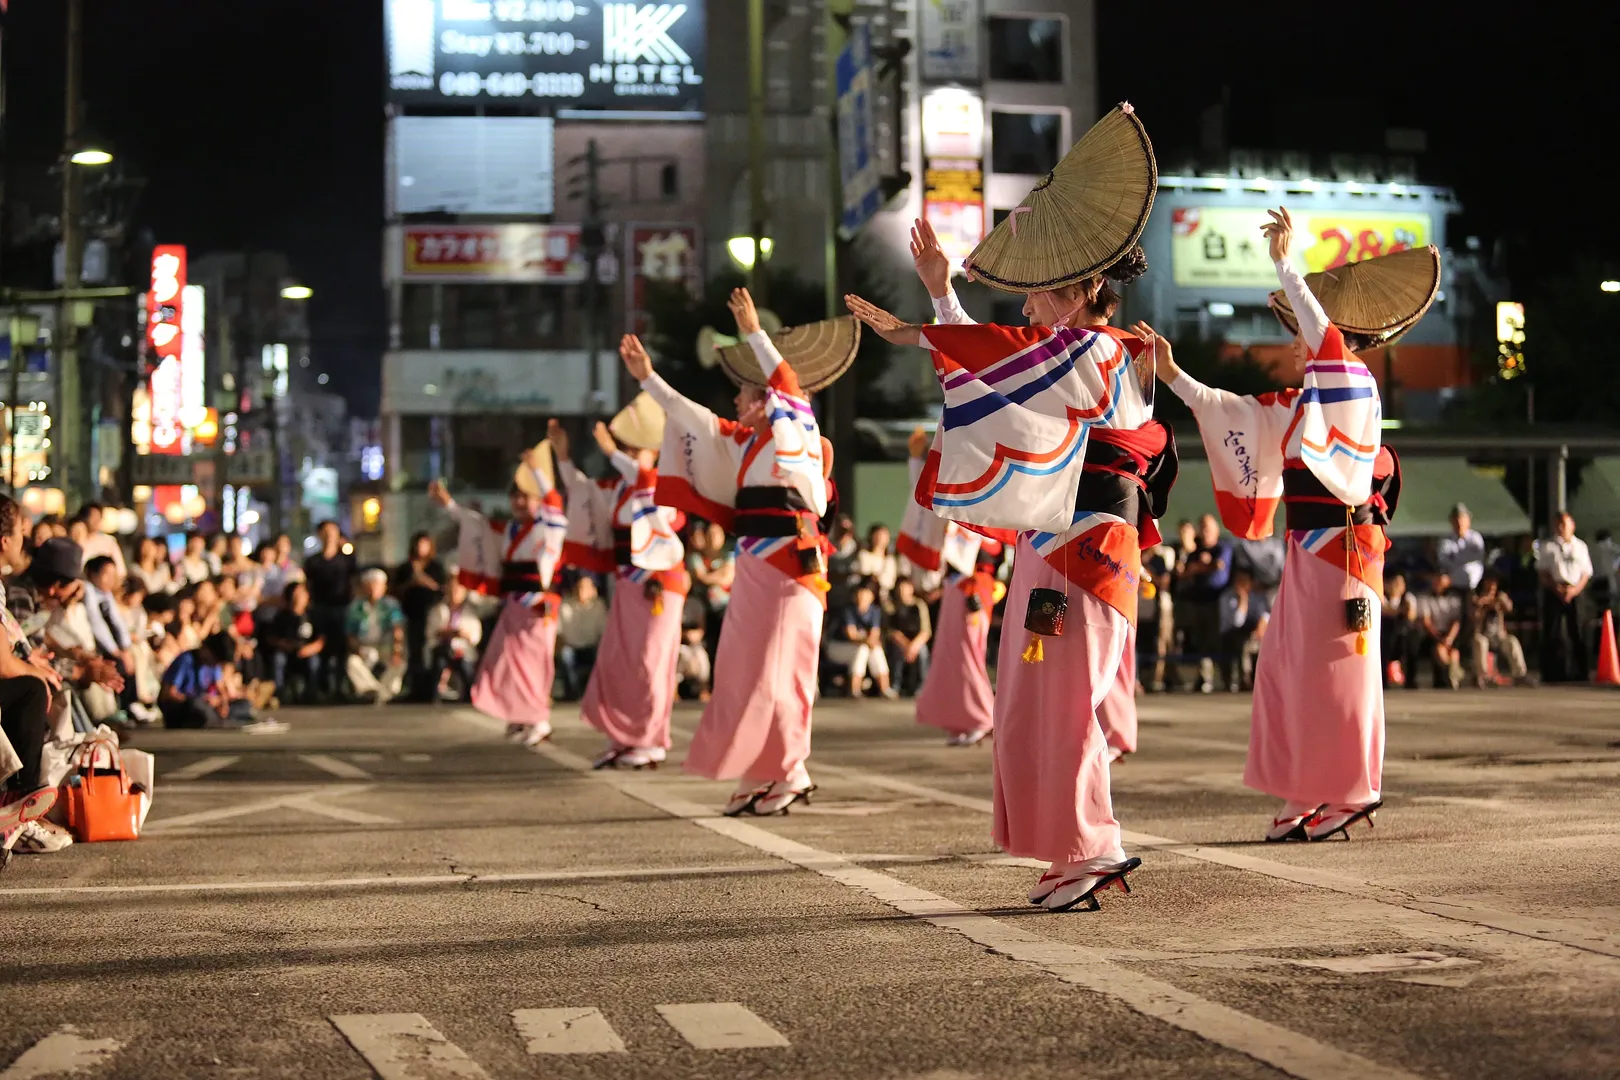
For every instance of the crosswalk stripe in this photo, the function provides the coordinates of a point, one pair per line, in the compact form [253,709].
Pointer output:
[416,759]
[720,1025]
[199,769]
[63,1052]
[335,766]
[364,759]
[404,1046]
[567,1031]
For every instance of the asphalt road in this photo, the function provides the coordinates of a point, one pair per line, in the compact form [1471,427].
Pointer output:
[398,893]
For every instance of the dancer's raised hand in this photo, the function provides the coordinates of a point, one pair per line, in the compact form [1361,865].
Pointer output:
[917,444]
[881,323]
[604,439]
[1279,231]
[742,309]
[933,265]
[634,355]
[557,436]
[438,493]
[1157,354]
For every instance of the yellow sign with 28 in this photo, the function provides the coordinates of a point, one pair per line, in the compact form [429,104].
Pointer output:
[1221,246]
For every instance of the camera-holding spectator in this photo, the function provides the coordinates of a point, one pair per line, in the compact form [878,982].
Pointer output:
[580,625]
[857,641]
[1206,572]
[1492,606]
[875,564]
[1441,616]
[376,635]
[906,634]
[1263,559]
[294,647]
[453,634]
[1244,613]
[1565,568]
[1400,634]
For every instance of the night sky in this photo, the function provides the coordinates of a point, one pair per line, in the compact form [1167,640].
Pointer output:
[259,125]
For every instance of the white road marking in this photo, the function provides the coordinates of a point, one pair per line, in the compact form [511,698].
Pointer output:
[1377,963]
[420,880]
[310,805]
[404,1046]
[339,768]
[567,1031]
[64,1052]
[721,1025]
[199,769]
[369,759]
[416,759]
[305,800]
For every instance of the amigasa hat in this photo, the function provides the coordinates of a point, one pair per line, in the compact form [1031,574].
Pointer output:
[1380,298]
[546,465]
[818,353]
[1083,218]
[640,424]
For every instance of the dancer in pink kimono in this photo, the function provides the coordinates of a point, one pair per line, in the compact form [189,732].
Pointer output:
[514,676]
[1116,712]
[1317,736]
[762,478]
[632,687]
[956,695]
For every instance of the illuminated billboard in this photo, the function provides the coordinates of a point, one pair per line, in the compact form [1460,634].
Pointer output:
[1222,246]
[544,253]
[165,319]
[573,53]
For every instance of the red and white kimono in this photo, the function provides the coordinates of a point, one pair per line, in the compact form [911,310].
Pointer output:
[770,491]
[515,673]
[956,696]
[1045,440]
[1317,734]
[632,687]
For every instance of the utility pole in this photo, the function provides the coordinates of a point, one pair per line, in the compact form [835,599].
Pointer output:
[840,397]
[756,148]
[592,239]
[69,422]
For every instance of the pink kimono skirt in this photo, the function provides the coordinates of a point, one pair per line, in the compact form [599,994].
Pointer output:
[757,724]
[1052,798]
[514,678]
[956,696]
[1117,712]
[632,687]
[1317,735]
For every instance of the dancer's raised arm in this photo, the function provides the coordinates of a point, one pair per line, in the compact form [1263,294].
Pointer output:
[1313,321]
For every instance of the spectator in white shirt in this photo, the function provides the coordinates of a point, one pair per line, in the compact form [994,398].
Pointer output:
[580,626]
[453,634]
[1565,567]
[1462,554]
[874,563]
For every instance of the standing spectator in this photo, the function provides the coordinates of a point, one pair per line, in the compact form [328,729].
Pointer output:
[857,641]
[580,626]
[152,567]
[1207,571]
[1461,554]
[1244,615]
[194,567]
[419,585]
[330,575]
[453,633]
[376,633]
[1263,559]
[295,647]
[1155,615]
[906,633]
[282,569]
[1441,616]
[1565,568]
[874,563]
[1399,634]
[1605,572]
[99,544]
[1492,606]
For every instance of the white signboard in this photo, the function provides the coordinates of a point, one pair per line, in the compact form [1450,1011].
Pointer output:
[950,40]
[425,382]
[474,165]
[952,124]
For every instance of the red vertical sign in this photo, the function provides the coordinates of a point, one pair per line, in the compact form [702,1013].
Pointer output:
[164,302]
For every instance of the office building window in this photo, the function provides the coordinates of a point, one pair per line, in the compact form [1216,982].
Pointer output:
[668,181]
[1024,49]
[1025,142]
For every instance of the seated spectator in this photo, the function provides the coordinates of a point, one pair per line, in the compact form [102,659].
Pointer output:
[132,607]
[152,566]
[99,544]
[1491,609]
[200,690]
[693,670]
[1244,616]
[874,563]
[713,566]
[857,642]
[376,630]
[27,680]
[580,626]
[906,633]
[1400,635]
[294,648]
[55,579]
[107,626]
[1440,615]
[193,568]
[453,634]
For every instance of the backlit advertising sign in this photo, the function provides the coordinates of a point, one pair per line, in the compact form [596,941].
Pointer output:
[165,314]
[543,253]
[1223,246]
[575,53]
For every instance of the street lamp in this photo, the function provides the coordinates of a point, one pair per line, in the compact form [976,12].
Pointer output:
[90,156]
[741,249]
[1610,286]
[296,292]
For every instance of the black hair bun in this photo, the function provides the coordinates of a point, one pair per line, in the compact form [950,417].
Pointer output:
[1128,269]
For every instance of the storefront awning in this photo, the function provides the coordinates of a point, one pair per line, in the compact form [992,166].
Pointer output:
[1596,504]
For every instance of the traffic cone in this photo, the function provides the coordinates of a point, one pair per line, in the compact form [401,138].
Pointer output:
[1608,666]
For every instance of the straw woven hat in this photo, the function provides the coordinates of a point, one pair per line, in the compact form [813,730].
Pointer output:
[1380,298]
[1083,218]
[818,353]
[640,424]
[524,479]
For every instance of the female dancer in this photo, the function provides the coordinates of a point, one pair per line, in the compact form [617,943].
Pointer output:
[956,694]
[1317,736]
[632,687]
[761,477]
[514,677]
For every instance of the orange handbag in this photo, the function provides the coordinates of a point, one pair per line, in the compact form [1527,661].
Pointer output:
[101,804]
